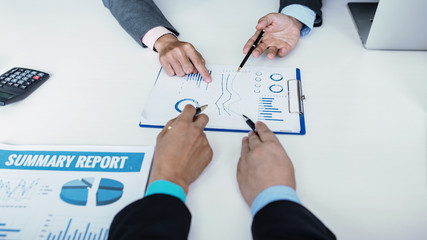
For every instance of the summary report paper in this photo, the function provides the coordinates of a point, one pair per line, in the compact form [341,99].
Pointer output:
[269,94]
[68,192]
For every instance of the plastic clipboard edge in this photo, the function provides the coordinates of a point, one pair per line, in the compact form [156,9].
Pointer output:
[222,130]
[301,117]
[161,68]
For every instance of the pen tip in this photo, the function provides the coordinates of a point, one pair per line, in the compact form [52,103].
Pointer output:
[245,116]
[203,107]
[239,69]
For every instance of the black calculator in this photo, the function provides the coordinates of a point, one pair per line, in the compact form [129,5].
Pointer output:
[17,83]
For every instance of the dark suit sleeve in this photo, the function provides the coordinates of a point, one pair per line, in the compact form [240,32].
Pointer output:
[137,17]
[157,216]
[288,220]
[314,5]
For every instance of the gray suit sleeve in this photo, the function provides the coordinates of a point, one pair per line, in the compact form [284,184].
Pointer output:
[137,17]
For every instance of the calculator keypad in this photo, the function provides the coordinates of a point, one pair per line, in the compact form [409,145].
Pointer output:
[20,78]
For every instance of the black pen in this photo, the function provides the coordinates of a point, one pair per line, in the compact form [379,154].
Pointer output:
[200,109]
[252,49]
[250,124]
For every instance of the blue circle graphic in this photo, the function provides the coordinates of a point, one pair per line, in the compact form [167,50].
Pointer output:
[275,88]
[179,106]
[276,77]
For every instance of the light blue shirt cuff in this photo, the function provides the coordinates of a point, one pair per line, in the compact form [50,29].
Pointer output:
[271,194]
[302,14]
[166,187]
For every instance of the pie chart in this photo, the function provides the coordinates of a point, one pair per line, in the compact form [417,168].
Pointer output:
[76,192]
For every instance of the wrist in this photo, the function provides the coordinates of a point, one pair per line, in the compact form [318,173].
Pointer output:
[174,180]
[297,23]
[166,187]
[164,41]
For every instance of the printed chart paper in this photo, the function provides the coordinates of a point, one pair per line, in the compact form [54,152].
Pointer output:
[68,192]
[271,95]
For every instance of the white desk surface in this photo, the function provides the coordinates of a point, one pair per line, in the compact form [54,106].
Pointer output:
[361,167]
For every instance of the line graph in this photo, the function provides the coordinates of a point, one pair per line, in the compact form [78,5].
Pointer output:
[220,103]
[17,189]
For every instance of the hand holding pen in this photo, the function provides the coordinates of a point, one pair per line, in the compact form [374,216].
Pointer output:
[281,36]
[182,149]
[254,45]
[251,124]
[263,163]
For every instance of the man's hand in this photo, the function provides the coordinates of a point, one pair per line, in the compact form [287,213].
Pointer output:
[182,149]
[263,163]
[180,58]
[281,35]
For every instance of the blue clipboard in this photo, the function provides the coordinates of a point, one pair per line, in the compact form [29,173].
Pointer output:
[301,114]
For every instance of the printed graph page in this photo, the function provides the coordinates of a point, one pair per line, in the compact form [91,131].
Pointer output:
[68,192]
[261,93]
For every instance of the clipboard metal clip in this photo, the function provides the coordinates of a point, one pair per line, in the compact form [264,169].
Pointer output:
[295,97]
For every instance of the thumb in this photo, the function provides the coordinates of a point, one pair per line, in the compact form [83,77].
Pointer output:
[264,22]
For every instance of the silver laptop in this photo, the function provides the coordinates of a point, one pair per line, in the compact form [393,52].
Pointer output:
[391,24]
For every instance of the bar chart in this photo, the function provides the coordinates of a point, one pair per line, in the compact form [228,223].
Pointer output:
[270,109]
[197,78]
[8,232]
[67,228]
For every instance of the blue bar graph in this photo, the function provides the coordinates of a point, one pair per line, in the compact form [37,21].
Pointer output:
[198,79]
[87,231]
[269,109]
[5,231]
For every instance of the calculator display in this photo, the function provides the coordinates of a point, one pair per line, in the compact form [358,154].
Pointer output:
[6,95]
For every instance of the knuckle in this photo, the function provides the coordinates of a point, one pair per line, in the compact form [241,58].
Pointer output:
[258,152]
[188,46]
[196,132]
[188,69]
[181,125]
[204,117]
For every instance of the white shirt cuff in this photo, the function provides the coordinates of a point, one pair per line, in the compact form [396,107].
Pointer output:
[150,38]
[303,14]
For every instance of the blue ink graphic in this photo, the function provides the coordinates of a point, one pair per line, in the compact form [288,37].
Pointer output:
[76,191]
[17,192]
[198,79]
[275,88]
[179,106]
[276,77]
[222,94]
[6,231]
[267,112]
[87,232]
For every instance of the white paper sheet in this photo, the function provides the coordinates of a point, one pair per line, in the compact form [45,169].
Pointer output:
[68,192]
[261,93]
